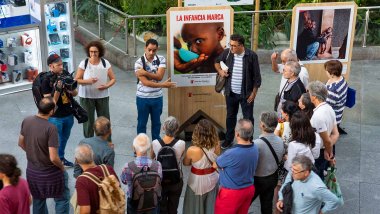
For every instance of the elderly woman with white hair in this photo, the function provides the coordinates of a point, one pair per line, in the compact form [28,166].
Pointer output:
[293,88]
[169,152]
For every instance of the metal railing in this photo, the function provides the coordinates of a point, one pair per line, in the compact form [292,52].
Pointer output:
[102,27]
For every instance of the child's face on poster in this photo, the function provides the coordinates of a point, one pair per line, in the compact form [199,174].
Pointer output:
[203,38]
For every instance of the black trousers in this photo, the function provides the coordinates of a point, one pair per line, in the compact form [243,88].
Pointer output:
[170,195]
[232,102]
[321,164]
[264,187]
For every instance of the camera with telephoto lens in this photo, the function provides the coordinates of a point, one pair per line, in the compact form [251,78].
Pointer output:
[68,82]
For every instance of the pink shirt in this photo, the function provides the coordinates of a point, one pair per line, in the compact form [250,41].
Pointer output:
[15,199]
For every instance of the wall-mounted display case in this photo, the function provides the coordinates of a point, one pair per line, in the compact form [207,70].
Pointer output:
[57,22]
[20,47]
[29,33]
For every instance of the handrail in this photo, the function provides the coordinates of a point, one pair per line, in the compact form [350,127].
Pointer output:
[262,11]
[146,16]
[134,17]
[112,8]
[368,8]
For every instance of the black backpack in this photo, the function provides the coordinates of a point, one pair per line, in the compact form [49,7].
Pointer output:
[36,86]
[166,156]
[144,64]
[101,59]
[146,186]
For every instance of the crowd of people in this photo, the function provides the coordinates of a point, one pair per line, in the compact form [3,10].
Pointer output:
[295,147]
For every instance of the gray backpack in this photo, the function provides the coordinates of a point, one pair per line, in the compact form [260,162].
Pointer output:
[146,182]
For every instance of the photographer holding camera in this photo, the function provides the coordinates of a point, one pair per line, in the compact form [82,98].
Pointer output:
[60,85]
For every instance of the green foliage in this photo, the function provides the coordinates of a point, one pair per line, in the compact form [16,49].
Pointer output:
[87,10]
[270,23]
[148,7]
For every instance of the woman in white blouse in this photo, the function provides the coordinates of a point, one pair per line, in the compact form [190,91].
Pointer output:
[304,139]
[94,76]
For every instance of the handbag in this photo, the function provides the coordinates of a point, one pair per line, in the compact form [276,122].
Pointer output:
[332,183]
[272,150]
[287,193]
[209,160]
[78,111]
[278,97]
[351,97]
[281,171]
[219,83]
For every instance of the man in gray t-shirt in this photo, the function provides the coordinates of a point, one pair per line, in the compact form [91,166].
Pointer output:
[266,175]
[45,172]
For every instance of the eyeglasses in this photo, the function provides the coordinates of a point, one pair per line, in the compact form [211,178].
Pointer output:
[294,172]
[234,46]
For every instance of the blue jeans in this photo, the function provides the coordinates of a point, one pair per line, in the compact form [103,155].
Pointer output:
[311,50]
[62,205]
[152,106]
[64,125]
[232,102]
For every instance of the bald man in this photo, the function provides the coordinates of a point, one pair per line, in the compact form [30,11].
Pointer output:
[103,153]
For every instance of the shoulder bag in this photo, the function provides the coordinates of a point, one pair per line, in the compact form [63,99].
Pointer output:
[78,111]
[281,171]
[221,81]
[278,97]
[211,163]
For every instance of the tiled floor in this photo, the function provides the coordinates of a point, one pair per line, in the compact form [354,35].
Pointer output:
[358,153]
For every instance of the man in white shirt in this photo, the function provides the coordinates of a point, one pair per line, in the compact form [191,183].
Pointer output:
[288,55]
[324,121]
[150,70]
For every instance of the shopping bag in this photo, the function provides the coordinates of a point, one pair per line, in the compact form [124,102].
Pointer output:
[332,183]
[351,97]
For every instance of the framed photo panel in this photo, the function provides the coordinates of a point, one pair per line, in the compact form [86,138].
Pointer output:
[322,32]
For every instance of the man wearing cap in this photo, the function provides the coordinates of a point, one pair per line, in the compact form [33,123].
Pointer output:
[62,118]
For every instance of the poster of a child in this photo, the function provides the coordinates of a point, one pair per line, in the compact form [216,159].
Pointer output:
[197,37]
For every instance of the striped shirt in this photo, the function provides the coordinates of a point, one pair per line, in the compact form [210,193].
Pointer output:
[337,96]
[127,174]
[237,74]
[152,67]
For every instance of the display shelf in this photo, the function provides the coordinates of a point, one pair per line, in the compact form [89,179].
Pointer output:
[58,32]
[20,58]
[9,88]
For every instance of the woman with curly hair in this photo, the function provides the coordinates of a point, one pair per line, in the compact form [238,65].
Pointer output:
[15,196]
[202,186]
[95,76]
